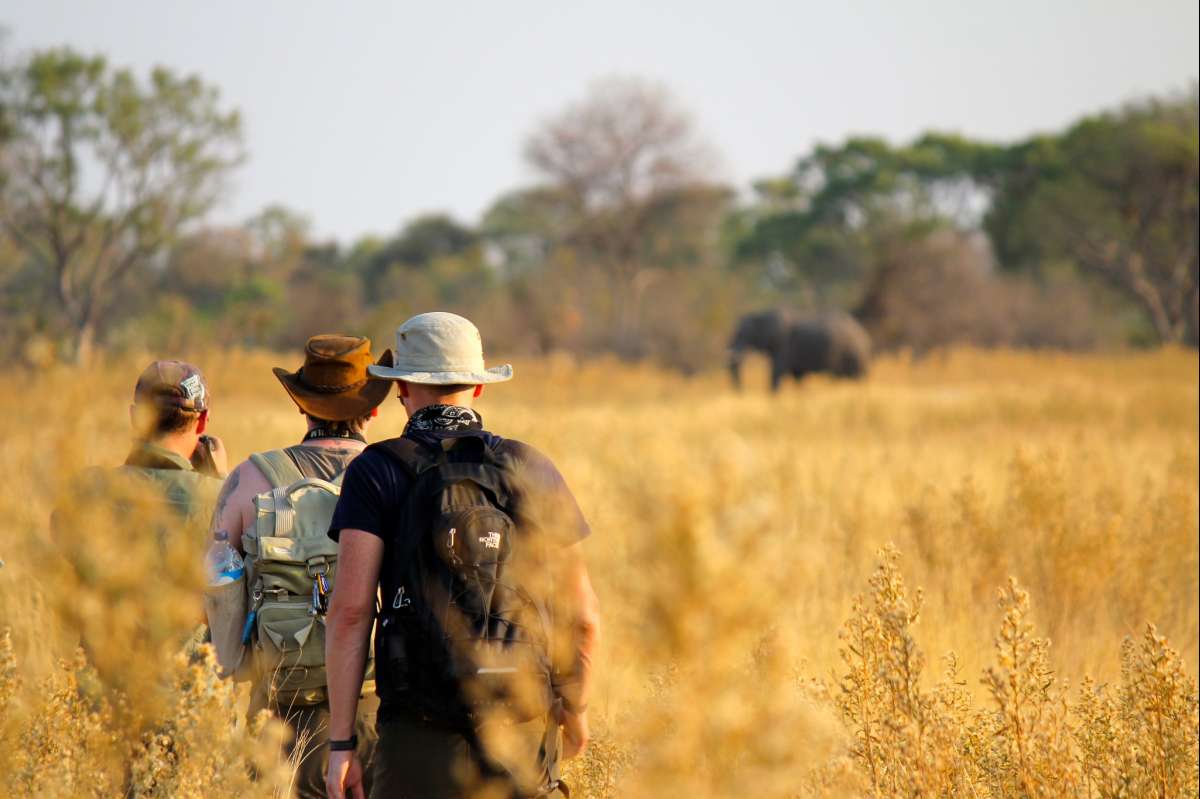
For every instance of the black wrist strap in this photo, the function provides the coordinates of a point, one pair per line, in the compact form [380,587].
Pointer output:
[347,745]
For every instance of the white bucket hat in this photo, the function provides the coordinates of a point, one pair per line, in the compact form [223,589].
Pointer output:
[440,349]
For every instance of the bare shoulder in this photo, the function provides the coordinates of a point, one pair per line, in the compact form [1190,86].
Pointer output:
[244,484]
[235,505]
[246,481]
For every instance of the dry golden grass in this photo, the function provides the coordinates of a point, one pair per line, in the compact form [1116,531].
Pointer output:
[761,638]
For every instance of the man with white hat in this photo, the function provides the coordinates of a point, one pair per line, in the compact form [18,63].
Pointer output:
[488,619]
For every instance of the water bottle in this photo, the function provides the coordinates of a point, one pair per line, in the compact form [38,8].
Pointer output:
[224,563]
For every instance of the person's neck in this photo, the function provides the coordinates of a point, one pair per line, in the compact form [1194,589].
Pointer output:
[418,400]
[183,444]
[437,402]
[332,442]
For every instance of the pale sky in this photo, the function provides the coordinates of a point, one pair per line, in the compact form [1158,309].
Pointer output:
[364,114]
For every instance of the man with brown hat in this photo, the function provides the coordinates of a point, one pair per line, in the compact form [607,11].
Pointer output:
[333,393]
[488,621]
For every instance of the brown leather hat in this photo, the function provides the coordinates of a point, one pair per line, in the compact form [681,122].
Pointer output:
[333,383]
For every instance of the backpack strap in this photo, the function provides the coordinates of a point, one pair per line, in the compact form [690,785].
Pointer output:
[481,466]
[281,472]
[279,469]
[414,458]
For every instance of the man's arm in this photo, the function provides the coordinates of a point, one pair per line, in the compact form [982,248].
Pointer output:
[347,637]
[235,505]
[583,628]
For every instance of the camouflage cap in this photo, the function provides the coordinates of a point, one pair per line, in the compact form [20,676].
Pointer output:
[172,384]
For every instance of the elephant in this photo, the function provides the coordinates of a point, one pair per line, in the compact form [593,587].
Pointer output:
[798,344]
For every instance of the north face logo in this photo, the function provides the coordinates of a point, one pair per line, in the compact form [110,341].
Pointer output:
[491,540]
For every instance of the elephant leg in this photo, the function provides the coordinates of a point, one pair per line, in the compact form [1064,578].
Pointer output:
[735,372]
[777,372]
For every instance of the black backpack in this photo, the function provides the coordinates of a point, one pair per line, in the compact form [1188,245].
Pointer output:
[462,639]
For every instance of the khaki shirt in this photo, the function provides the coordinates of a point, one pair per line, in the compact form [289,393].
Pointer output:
[155,488]
[155,496]
[192,496]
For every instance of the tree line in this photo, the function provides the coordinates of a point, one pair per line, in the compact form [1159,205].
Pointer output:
[1081,238]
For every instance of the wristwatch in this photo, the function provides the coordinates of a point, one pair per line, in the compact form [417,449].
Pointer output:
[347,745]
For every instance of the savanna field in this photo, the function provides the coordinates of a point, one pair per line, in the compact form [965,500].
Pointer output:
[803,595]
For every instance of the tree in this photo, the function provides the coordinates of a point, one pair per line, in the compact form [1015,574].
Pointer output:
[1112,199]
[1118,198]
[526,225]
[102,170]
[825,227]
[625,160]
[280,236]
[420,243]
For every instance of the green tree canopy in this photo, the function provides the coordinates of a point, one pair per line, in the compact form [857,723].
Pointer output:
[420,243]
[102,170]
[1115,197]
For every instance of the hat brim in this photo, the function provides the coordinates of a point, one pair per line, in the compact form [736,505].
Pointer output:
[496,374]
[340,406]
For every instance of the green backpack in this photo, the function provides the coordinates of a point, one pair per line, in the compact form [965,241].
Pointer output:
[290,567]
